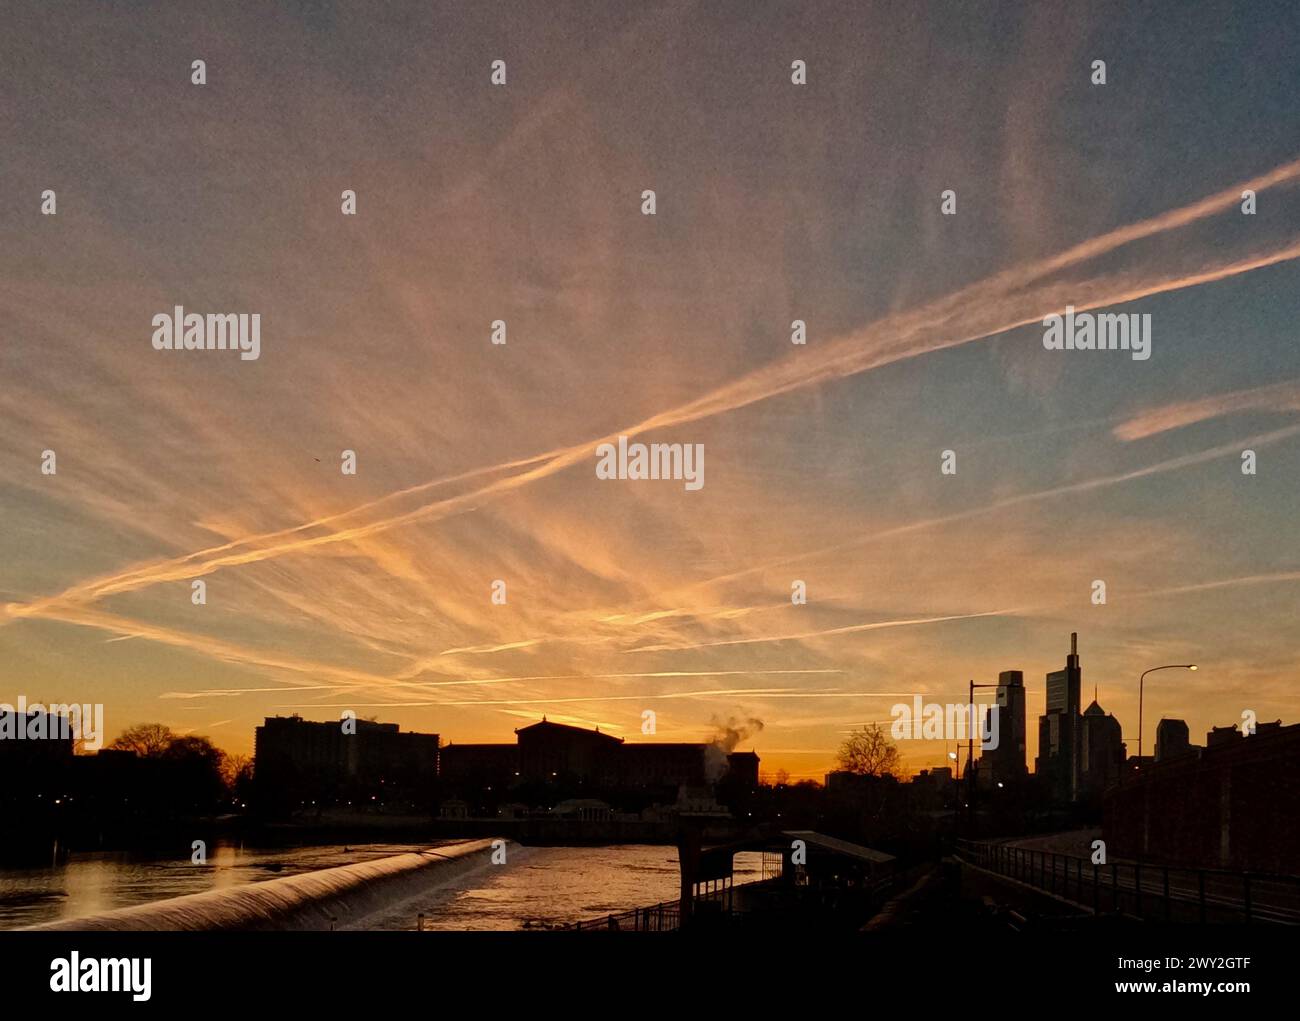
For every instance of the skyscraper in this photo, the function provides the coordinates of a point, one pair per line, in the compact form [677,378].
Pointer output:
[1006,762]
[1172,738]
[1101,750]
[1059,728]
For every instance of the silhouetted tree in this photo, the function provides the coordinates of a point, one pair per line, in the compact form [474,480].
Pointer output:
[235,769]
[869,752]
[176,775]
[147,740]
[195,773]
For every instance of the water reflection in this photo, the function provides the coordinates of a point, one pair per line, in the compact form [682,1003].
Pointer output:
[549,887]
[538,888]
[82,883]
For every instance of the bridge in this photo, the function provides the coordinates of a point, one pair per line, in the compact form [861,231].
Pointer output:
[808,877]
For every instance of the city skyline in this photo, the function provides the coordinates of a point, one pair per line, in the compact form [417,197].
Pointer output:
[745,735]
[477,462]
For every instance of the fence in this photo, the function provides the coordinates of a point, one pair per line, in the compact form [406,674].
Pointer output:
[659,918]
[1158,893]
[756,902]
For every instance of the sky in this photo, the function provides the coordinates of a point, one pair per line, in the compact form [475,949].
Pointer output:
[476,461]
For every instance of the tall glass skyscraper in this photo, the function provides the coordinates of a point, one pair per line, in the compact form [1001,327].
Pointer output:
[1059,728]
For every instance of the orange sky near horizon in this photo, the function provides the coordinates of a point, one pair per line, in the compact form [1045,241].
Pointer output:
[476,462]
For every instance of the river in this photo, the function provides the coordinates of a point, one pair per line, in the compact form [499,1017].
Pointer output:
[538,887]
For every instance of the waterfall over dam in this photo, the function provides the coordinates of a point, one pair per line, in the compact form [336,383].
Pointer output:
[334,898]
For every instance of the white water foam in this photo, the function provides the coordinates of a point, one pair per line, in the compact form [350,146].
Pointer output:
[336,898]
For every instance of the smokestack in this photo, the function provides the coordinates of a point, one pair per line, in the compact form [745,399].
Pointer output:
[726,738]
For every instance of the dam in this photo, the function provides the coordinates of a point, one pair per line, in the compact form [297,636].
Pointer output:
[347,896]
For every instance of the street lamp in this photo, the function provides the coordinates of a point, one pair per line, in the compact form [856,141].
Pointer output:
[1167,666]
[970,747]
[971,724]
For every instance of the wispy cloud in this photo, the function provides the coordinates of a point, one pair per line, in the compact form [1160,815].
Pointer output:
[1280,397]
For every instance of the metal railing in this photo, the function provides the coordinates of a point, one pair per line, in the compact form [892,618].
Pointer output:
[761,900]
[663,917]
[1158,893]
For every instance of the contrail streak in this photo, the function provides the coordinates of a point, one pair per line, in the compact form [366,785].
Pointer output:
[216,648]
[1174,464]
[984,309]
[1206,586]
[1274,397]
[847,630]
[707,693]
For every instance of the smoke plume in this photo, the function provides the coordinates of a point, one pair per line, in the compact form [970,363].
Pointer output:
[726,737]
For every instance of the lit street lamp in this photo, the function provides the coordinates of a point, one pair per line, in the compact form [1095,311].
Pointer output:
[1167,666]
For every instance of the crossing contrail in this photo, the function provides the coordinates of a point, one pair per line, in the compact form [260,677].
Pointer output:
[1012,298]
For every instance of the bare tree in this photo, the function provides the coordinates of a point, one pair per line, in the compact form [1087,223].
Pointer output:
[147,740]
[869,752]
[237,775]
